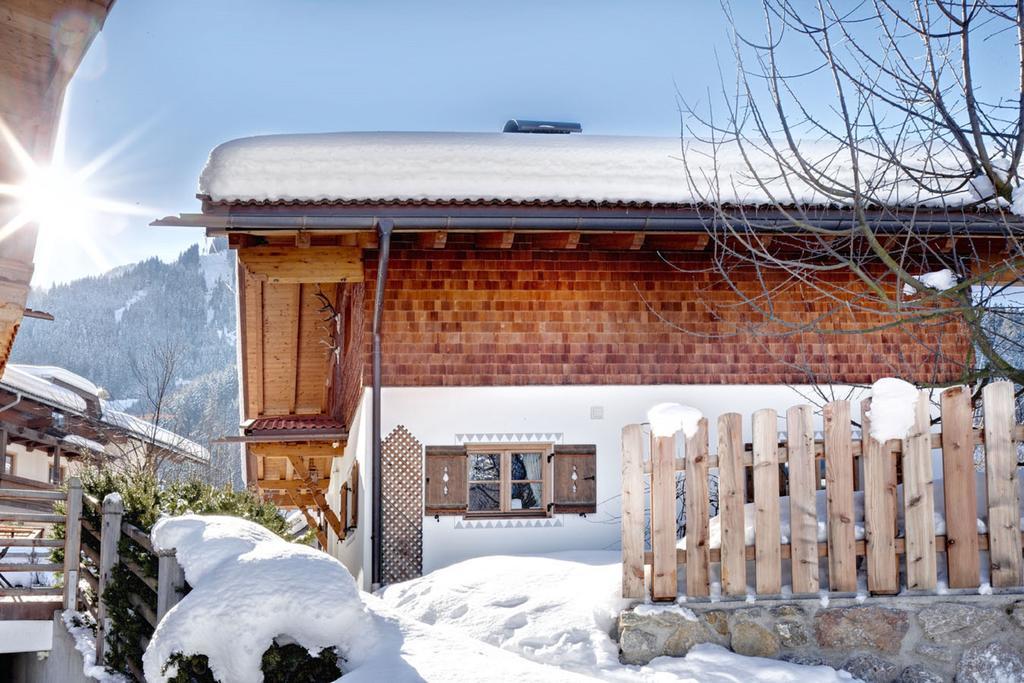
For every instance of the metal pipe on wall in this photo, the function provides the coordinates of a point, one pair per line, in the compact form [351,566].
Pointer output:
[384,229]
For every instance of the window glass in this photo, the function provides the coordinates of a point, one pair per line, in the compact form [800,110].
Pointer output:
[526,466]
[485,497]
[526,496]
[485,467]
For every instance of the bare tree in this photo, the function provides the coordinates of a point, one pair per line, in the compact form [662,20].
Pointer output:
[154,444]
[853,151]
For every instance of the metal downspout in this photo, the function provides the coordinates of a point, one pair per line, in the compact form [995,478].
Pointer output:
[17,399]
[384,228]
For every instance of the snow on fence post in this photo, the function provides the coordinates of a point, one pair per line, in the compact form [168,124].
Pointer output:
[632,512]
[72,542]
[170,582]
[110,534]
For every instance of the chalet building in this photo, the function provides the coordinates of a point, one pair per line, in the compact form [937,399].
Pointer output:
[53,421]
[42,43]
[442,335]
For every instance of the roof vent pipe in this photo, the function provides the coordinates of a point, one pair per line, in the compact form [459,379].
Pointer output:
[556,127]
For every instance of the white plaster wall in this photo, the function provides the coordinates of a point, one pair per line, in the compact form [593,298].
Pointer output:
[354,551]
[25,636]
[34,464]
[435,415]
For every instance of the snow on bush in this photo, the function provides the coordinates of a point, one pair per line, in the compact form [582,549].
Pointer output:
[250,586]
[892,408]
[668,418]
[560,609]
[939,279]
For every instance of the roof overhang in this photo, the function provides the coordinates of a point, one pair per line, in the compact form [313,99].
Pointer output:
[463,217]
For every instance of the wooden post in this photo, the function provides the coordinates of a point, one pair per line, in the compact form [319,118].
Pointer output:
[732,497]
[110,534]
[55,479]
[879,509]
[664,567]
[767,522]
[632,512]
[919,501]
[839,483]
[803,508]
[961,496]
[1001,478]
[72,542]
[697,514]
[170,582]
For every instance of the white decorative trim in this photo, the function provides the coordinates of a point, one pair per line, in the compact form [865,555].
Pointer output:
[507,523]
[508,437]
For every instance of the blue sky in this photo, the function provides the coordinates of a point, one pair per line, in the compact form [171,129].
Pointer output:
[180,77]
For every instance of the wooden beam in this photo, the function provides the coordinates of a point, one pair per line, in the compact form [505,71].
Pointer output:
[495,240]
[311,522]
[317,493]
[556,240]
[288,499]
[432,240]
[289,484]
[312,264]
[302,239]
[317,449]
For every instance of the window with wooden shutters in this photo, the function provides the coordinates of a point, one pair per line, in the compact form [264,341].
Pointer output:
[575,479]
[446,485]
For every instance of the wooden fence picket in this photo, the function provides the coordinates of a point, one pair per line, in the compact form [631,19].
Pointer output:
[1001,477]
[697,517]
[879,510]
[632,512]
[731,500]
[803,511]
[959,488]
[664,571]
[767,550]
[839,482]
[919,500]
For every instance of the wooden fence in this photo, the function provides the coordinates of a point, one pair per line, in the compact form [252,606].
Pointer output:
[113,542]
[771,467]
[96,540]
[25,530]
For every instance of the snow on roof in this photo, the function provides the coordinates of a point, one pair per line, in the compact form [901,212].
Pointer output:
[81,443]
[21,379]
[377,167]
[52,373]
[157,435]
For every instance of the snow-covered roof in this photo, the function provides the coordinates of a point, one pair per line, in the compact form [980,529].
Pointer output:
[52,373]
[78,442]
[157,435]
[510,167]
[22,379]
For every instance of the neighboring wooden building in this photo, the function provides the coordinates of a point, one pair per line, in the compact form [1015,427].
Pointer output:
[53,421]
[516,337]
[42,43]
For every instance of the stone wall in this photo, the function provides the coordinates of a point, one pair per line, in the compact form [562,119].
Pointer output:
[936,638]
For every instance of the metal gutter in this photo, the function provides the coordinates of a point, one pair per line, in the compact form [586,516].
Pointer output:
[384,229]
[590,219]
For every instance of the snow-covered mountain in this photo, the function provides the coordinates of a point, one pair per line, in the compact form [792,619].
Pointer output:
[103,325]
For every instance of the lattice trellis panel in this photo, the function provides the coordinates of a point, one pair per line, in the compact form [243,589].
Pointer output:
[402,483]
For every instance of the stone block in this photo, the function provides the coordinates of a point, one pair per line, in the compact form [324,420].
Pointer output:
[853,628]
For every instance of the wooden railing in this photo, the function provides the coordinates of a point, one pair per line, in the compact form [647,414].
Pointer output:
[774,467]
[26,530]
[162,577]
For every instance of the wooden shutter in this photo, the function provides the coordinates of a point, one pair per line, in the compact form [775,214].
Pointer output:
[446,497]
[579,494]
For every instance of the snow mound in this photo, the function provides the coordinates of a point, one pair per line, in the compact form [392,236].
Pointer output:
[249,587]
[560,609]
[939,279]
[892,408]
[668,418]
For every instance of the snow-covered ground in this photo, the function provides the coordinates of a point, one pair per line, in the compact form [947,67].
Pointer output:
[560,610]
[545,618]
